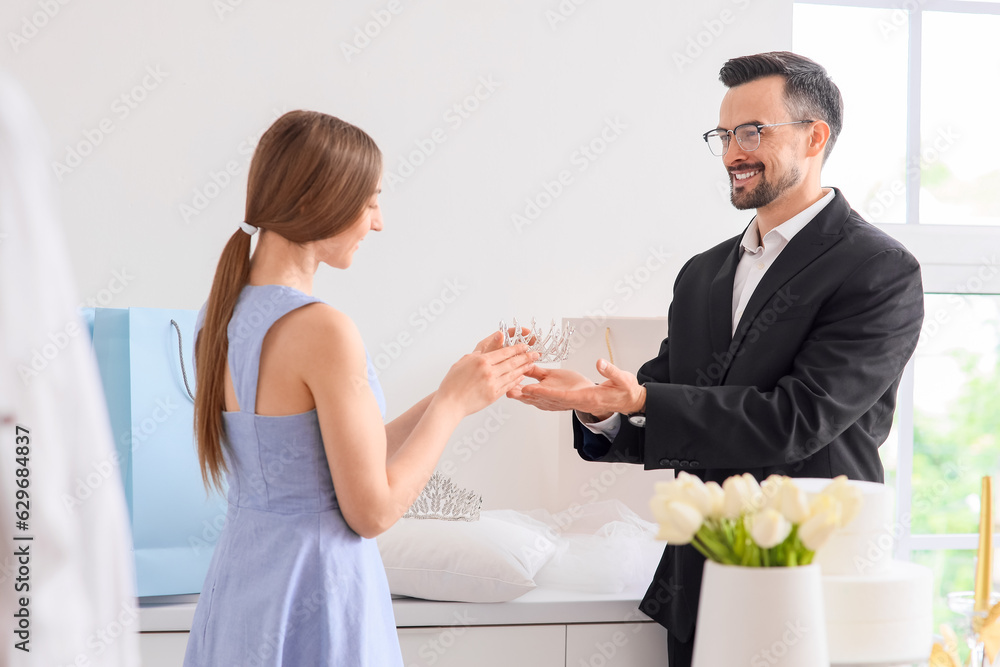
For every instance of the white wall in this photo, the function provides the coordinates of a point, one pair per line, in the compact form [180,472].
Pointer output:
[563,74]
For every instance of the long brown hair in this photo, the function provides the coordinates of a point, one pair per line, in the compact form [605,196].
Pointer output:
[310,178]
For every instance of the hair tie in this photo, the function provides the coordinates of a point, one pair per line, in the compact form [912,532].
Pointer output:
[248,228]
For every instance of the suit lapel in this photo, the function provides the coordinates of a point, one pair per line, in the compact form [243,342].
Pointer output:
[821,234]
[721,301]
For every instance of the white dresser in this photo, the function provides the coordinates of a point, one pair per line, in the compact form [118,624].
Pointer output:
[543,628]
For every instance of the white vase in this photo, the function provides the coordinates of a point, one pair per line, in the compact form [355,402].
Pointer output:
[761,617]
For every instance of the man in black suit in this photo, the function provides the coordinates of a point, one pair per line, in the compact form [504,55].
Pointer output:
[786,343]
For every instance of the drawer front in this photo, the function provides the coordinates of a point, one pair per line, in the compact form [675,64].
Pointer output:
[616,645]
[162,649]
[484,646]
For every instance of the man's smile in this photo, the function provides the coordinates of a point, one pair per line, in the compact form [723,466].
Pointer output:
[741,175]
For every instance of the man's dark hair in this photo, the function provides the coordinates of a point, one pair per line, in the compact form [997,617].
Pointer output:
[809,90]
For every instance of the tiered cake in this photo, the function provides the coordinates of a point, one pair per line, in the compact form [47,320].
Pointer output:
[878,609]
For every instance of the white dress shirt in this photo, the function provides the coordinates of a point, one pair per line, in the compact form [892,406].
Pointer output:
[757,257]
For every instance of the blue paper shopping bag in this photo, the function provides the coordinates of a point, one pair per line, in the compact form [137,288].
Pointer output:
[144,356]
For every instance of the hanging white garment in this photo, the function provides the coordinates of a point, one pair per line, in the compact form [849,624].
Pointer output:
[81,602]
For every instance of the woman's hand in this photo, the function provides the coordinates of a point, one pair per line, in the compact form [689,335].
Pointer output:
[495,340]
[490,371]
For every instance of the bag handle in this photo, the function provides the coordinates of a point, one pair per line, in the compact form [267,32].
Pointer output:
[180,354]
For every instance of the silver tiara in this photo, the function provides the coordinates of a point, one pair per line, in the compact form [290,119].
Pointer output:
[553,346]
[442,499]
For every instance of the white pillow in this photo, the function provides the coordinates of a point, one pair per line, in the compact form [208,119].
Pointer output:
[607,547]
[490,560]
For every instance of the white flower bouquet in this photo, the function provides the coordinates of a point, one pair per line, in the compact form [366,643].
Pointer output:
[771,524]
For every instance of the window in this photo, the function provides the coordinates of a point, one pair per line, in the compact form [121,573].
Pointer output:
[912,159]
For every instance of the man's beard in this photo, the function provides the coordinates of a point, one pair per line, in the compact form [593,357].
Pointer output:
[765,192]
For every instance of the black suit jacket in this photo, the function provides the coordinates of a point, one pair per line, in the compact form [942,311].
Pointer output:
[805,388]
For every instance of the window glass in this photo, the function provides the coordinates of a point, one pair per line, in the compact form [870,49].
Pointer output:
[868,161]
[954,570]
[960,176]
[956,410]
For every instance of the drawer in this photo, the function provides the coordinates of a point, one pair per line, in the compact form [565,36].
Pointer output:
[616,645]
[162,649]
[484,646]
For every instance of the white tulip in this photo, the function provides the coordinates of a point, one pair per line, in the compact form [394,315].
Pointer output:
[794,503]
[692,491]
[669,491]
[754,494]
[818,528]
[736,497]
[718,497]
[770,489]
[677,491]
[678,521]
[658,503]
[824,504]
[769,528]
[665,489]
[849,497]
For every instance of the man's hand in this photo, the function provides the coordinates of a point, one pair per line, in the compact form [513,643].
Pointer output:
[559,389]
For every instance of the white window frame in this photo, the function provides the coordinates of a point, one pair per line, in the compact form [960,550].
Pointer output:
[954,259]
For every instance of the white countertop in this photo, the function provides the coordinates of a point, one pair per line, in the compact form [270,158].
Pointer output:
[538,606]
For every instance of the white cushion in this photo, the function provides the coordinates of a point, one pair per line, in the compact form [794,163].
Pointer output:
[490,560]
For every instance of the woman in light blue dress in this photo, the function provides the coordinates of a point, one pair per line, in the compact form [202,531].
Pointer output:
[288,410]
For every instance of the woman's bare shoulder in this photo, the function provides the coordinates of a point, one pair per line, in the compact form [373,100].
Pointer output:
[319,332]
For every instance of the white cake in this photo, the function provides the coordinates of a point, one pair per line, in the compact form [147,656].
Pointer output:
[878,609]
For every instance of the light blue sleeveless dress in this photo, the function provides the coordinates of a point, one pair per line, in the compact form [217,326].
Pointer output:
[290,584]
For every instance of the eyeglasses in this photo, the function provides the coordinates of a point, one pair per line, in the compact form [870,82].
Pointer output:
[747,136]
